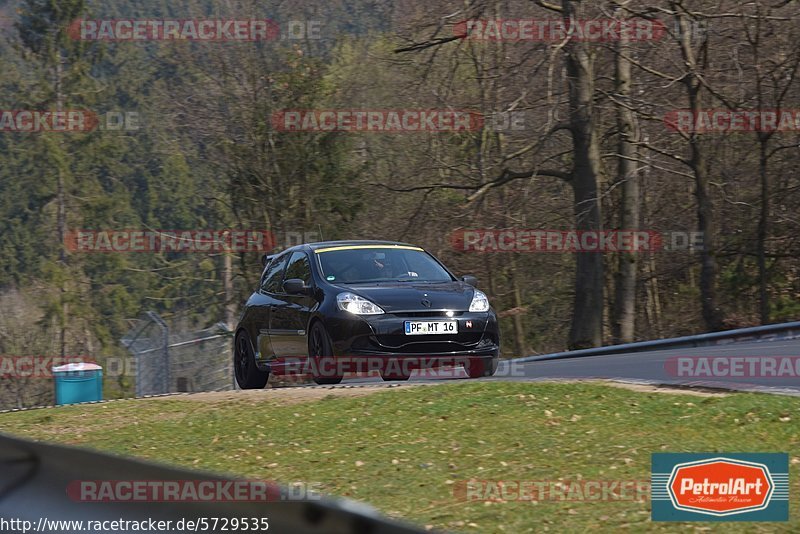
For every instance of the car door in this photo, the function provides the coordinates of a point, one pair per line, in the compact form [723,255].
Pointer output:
[262,304]
[289,317]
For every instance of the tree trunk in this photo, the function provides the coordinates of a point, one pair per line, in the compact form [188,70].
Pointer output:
[763,231]
[705,220]
[712,315]
[230,298]
[587,318]
[61,223]
[624,318]
[653,299]
[520,345]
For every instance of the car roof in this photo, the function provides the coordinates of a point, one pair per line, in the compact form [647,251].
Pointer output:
[336,244]
[356,243]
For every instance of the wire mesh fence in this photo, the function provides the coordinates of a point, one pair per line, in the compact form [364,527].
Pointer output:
[173,362]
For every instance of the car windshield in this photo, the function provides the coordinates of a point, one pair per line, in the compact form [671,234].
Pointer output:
[379,264]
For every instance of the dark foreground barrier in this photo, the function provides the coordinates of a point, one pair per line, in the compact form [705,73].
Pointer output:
[43,486]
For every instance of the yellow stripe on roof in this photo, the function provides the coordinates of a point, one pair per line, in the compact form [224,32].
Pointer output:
[357,247]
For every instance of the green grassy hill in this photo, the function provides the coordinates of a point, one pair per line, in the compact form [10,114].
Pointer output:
[408,450]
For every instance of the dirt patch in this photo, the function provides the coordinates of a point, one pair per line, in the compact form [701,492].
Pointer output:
[297,395]
[286,396]
[646,388]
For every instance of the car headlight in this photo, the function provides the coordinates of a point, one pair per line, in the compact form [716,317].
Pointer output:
[358,305]
[480,303]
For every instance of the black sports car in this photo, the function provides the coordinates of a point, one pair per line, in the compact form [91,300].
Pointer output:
[325,309]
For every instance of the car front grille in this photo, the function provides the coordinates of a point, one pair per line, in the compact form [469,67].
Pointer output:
[432,344]
[440,314]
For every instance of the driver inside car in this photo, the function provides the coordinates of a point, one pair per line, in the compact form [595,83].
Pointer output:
[382,267]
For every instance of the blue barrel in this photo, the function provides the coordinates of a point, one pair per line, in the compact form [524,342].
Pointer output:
[78,382]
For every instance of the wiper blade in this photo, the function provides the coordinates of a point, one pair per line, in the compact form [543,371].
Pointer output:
[423,281]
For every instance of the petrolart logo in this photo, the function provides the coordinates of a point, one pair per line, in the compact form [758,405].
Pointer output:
[716,487]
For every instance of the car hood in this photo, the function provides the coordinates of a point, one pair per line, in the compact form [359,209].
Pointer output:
[409,296]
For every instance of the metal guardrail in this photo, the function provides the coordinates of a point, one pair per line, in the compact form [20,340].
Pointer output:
[768,332]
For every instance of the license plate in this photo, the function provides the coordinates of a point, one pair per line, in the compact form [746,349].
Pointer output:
[423,328]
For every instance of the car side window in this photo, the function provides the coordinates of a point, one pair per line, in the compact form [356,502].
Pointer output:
[299,267]
[271,283]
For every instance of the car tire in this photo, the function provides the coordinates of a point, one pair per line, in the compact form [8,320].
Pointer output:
[321,352]
[394,377]
[248,375]
[491,371]
[479,368]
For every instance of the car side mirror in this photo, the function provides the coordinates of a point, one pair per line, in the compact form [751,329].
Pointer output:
[295,286]
[471,280]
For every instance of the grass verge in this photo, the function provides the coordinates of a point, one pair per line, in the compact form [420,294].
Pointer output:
[405,450]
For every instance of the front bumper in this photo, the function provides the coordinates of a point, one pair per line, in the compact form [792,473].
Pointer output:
[383,337]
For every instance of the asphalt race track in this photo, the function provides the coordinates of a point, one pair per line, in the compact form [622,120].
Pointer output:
[656,367]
